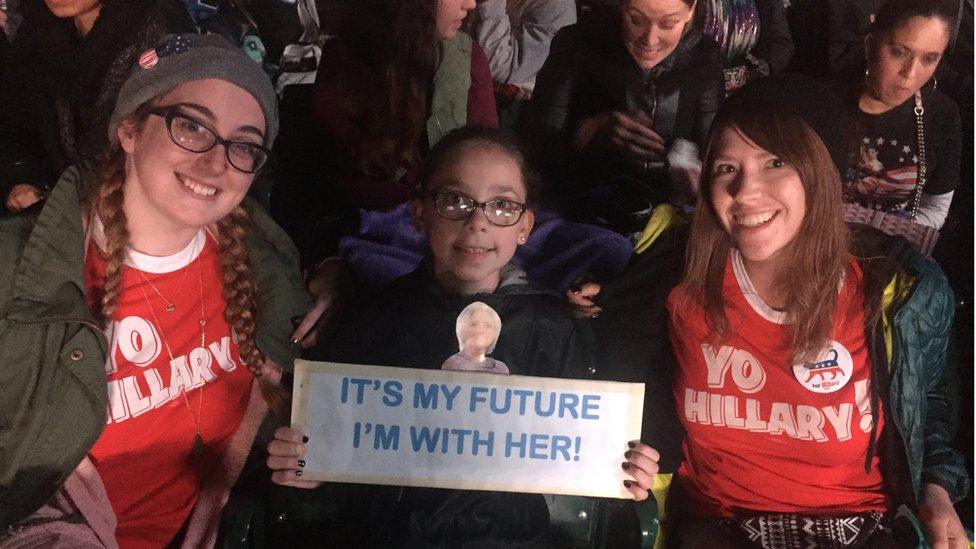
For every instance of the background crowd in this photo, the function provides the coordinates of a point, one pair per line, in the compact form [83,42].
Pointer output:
[367,131]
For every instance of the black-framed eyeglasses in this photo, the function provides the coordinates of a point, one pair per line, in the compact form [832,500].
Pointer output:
[192,135]
[456,206]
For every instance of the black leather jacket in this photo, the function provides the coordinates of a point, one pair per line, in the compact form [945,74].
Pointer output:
[589,72]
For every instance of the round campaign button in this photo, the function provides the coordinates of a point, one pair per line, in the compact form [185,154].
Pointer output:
[829,372]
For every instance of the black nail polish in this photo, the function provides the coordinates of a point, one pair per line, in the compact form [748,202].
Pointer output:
[305,439]
[294,342]
[301,463]
[627,483]
[298,473]
[628,454]
[625,466]
[632,444]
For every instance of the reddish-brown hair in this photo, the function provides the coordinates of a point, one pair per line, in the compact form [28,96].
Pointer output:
[238,286]
[817,257]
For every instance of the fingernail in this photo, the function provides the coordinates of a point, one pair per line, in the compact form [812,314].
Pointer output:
[301,463]
[627,483]
[632,444]
[625,465]
[294,342]
[298,473]
[628,454]
[305,439]
[595,315]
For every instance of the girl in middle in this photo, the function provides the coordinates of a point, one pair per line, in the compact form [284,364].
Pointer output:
[473,210]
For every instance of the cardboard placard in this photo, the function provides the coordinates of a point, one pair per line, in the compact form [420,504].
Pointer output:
[465,430]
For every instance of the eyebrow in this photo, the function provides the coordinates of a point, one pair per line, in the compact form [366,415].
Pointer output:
[905,47]
[452,185]
[210,115]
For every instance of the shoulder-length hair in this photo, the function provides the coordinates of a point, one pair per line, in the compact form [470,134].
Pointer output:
[387,69]
[816,259]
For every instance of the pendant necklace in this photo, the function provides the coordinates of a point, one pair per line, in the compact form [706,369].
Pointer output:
[170,307]
[199,448]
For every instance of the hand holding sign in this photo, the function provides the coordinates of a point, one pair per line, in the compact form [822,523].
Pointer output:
[463,430]
[285,453]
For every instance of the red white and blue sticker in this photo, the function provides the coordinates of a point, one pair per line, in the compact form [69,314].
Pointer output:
[830,372]
[148,59]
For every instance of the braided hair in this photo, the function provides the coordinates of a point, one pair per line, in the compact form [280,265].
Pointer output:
[235,274]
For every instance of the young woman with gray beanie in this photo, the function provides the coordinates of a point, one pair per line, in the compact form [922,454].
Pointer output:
[146,312]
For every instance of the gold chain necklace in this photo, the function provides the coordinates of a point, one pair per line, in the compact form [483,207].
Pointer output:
[199,447]
[170,307]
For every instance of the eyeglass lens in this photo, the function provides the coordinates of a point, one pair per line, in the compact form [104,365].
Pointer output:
[499,211]
[195,137]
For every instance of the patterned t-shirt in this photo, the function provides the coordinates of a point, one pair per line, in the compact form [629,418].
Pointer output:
[885,171]
[765,434]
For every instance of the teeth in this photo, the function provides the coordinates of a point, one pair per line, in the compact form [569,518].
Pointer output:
[198,188]
[753,220]
[474,250]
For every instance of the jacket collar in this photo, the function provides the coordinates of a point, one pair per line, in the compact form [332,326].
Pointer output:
[52,262]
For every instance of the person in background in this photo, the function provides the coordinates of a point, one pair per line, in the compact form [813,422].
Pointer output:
[618,92]
[847,24]
[150,291]
[516,35]
[823,345]
[61,79]
[754,36]
[902,122]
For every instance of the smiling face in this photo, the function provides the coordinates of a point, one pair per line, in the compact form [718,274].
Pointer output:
[653,28]
[478,333]
[168,188]
[72,8]
[450,16]
[902,61]
[470,253]
[758,198]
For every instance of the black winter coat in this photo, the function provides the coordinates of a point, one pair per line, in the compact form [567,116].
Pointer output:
[590,72]
[411,324]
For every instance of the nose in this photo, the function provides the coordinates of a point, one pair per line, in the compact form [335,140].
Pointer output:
[746,186]
[909,68]
[650,36]
[214,160]
[477,221]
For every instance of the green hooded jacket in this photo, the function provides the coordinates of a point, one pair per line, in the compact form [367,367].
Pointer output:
[53,351]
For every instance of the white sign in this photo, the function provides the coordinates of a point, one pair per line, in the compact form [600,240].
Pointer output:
[465,430]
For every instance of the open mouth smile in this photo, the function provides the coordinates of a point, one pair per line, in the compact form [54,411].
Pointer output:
[754,220]
[196,186]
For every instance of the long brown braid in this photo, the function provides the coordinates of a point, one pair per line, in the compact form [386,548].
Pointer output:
[239,302]
[238,287]
[109,201]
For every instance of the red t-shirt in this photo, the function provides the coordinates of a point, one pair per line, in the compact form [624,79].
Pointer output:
[144,453]
[767,435]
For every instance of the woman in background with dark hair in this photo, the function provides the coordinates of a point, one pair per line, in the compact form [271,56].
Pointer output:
[617,92]
[811,377]
[396,79]
[907,140]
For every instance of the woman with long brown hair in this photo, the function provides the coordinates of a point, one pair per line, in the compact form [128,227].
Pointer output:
[151,292]
[811,359]
[396,78]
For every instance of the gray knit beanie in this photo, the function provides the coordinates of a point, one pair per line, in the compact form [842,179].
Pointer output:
[182,58]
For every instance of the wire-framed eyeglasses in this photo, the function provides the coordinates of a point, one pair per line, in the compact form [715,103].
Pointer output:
[456,206]
[192,135]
